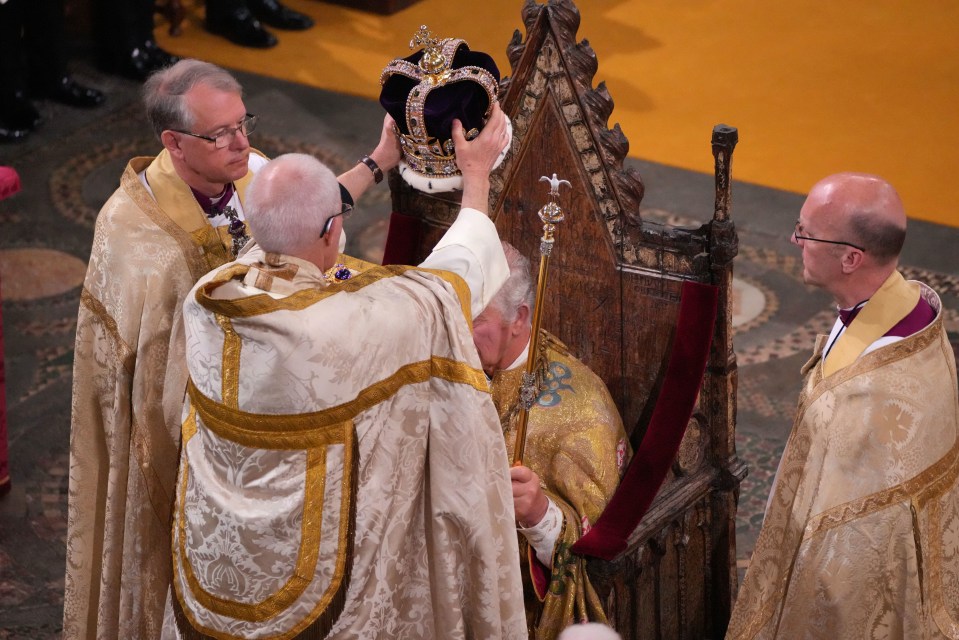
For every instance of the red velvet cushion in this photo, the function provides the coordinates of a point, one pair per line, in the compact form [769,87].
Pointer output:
[402,239]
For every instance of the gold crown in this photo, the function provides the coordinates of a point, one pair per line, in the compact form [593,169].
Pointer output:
[424,153]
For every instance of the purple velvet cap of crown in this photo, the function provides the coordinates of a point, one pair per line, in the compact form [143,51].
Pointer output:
[464,100]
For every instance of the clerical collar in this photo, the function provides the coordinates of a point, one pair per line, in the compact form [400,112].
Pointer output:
[213,207]
[846,316]
[220,206]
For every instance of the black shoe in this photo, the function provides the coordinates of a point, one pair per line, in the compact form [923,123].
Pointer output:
[159,59]
[66,90]
[17,113]
[135,64]
[274,14]
[12,134]
[240,27]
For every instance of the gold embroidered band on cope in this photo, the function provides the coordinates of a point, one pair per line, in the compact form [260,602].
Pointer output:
[330,604]
[261,304]
[301,431]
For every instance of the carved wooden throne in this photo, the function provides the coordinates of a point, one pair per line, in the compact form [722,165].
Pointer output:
[614,294]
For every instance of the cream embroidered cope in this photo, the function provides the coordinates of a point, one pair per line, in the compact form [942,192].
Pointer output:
[387,353]
[862,528]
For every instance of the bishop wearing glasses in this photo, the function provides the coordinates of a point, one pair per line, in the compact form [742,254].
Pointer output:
[173,218]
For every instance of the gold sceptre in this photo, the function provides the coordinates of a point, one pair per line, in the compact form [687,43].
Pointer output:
[550,214]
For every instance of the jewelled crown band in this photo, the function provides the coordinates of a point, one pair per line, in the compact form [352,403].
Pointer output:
[428,90]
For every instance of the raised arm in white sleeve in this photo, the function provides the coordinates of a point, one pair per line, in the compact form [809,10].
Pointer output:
[471,249]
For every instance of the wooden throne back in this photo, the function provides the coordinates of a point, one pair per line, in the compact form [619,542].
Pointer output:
[613,298]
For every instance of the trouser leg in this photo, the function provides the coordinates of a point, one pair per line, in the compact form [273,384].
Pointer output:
[17,115]
[12,54]
[43,38]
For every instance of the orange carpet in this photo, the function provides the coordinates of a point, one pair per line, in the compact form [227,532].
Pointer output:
[813,87]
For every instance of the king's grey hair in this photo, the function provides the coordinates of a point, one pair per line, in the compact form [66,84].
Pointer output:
[165,90]
[518,288]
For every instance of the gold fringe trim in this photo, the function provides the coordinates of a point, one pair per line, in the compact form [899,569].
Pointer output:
[125,356]
[931,503]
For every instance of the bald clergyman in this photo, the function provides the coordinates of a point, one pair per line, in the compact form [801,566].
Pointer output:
[861,534]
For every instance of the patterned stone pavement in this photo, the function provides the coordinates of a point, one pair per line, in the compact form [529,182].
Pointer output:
[776,319]
[75,164]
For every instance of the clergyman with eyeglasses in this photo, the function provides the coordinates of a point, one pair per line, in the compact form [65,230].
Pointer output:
[861,531]
[173,218]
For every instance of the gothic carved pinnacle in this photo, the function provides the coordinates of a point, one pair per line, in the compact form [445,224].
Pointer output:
[578,61]
[565,19]
[583,63]
[515,49]
[598,103]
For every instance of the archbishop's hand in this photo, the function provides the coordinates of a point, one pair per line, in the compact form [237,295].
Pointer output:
[529,502]
[477,156]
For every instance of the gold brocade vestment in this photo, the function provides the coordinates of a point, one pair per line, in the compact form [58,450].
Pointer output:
[861,535]
[577,446]
[342,473]
[128,383]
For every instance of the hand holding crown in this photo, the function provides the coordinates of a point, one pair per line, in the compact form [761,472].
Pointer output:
[479,154]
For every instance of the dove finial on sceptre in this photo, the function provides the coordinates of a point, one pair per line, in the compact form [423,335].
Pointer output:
[554,184]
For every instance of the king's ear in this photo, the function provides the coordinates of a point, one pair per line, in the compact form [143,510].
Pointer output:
[523,317]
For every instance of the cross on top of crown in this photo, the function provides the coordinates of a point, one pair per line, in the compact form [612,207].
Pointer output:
[432,60]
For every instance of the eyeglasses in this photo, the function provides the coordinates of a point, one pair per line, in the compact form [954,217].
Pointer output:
[797,230]
[226,137]
[347,210]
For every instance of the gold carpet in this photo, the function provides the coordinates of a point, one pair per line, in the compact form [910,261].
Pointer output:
[814,87]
